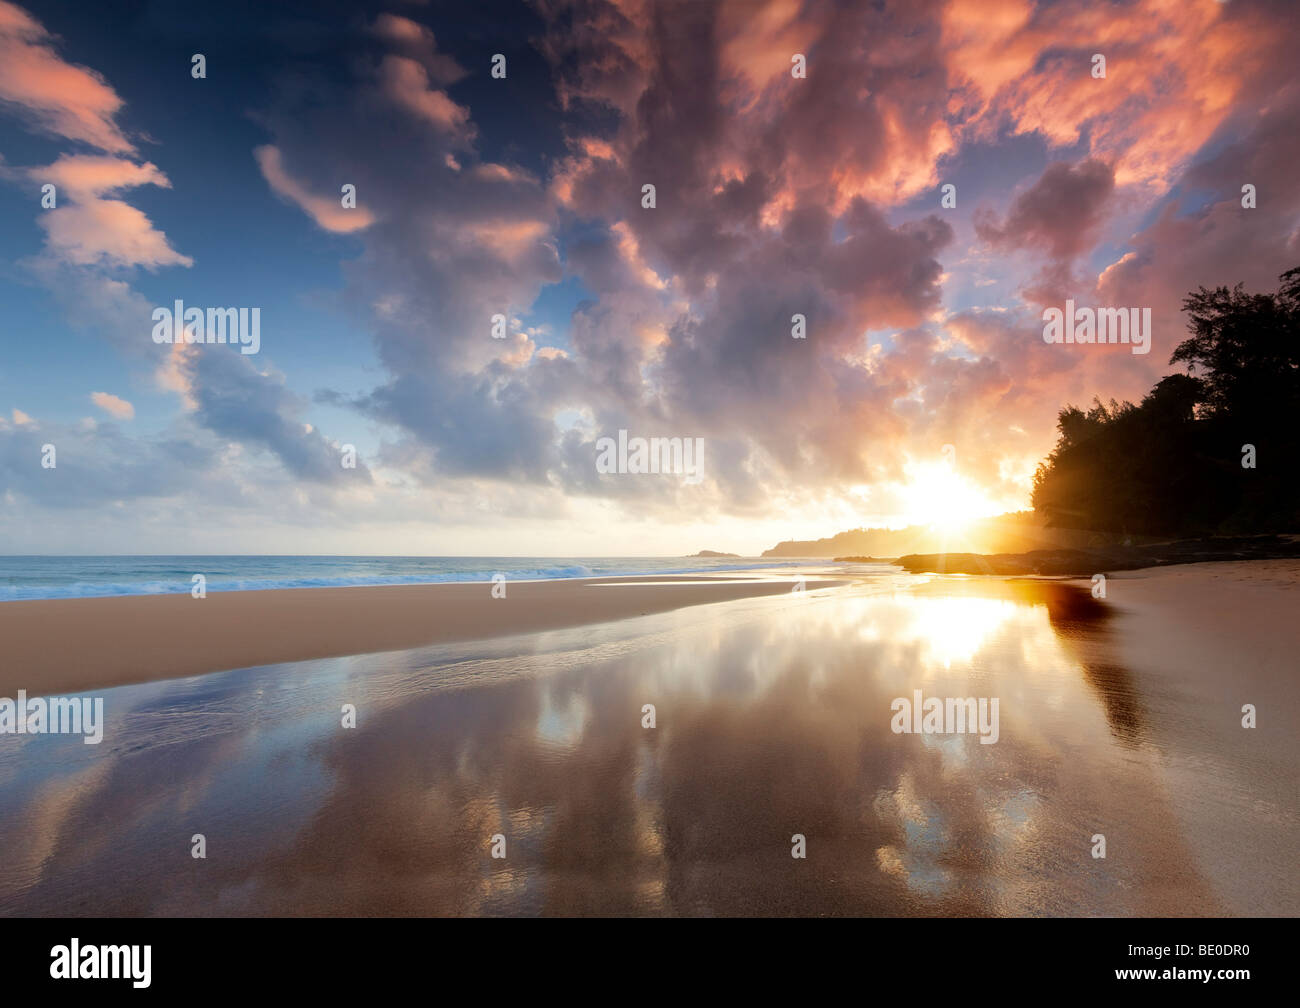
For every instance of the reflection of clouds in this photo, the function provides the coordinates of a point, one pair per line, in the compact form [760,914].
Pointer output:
[915,862]
[773,719]
[561,724]
[26,852]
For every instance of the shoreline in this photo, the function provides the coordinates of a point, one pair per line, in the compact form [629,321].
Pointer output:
[1120,715]
[69,645]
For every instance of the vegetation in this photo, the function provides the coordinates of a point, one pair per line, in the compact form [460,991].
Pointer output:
[1173,464]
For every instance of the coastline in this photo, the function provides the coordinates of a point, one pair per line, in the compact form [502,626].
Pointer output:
[1101,559]
[1118,716]
[68,645]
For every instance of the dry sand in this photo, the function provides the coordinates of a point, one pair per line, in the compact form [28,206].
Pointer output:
[53,646]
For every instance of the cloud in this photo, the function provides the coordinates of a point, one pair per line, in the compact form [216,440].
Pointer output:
[1060,213]
[407,83]
[1174,73]
[415,41]
[78,104]
[58,97]
[90,237]
[235,401]
[92,175]
[87,229]
[1060,216]
[109,232]
[328,212]
[84,229]
[104,306]
[97,465]
[776,197]
[114,406]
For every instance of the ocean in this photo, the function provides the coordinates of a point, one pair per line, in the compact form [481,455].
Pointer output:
[46,577]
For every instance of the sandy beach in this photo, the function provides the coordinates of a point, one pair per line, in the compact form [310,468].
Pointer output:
[1119,717]
[54,646]
[1203,640]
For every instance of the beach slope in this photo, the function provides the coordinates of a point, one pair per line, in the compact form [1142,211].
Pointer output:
[54,646]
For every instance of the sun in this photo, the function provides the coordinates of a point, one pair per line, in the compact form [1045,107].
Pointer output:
[935,494]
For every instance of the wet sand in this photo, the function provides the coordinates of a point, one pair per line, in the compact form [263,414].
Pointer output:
[772,718]
[1208,639]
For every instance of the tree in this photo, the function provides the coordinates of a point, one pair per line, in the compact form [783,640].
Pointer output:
[1246,346]
[1172,465]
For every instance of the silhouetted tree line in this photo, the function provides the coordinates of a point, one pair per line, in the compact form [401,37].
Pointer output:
[1172,464]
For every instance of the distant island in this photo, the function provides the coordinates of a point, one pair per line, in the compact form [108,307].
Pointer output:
[716,555]
[1016,532]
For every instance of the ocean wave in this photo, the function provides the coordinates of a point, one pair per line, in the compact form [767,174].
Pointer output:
[47,585]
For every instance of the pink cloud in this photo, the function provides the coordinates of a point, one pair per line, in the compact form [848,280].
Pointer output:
[114,406]
[109,232]
[406,82]
[84,229]
[778,195]
[328,212]
[59,97]
[95,174]
[1174,71]
[416,42]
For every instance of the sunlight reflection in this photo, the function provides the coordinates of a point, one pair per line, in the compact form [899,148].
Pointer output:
[954,630]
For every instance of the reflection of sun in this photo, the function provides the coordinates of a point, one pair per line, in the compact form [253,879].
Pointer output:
[937,495]
[954,629]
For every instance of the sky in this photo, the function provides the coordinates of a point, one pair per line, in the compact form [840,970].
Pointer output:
[798,153]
